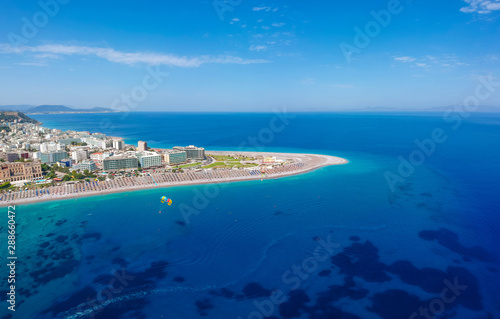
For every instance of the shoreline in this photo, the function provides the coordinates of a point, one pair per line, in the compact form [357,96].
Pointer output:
[310,163]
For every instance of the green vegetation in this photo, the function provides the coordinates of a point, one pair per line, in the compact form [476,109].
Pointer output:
[189,165]
[221,158]
[216,164]
[5,185]
[11,116]
[223,161]
[22,159]
[5,128]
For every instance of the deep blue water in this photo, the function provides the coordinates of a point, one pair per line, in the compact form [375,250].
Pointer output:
[333,243]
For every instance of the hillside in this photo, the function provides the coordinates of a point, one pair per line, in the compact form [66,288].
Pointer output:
[49,108]
[8,116]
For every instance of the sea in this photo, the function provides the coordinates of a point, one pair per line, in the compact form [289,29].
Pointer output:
[409,228]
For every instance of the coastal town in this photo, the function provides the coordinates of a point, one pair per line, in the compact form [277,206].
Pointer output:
[38,163]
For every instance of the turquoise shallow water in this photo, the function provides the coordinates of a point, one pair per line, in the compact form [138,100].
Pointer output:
[333,243]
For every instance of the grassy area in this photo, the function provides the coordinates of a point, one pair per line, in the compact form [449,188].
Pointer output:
[216,164]
[189,165]
[222,158]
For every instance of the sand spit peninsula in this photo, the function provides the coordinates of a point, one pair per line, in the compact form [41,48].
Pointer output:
[272,166]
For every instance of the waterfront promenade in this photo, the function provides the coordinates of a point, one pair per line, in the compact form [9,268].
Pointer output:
[301,164]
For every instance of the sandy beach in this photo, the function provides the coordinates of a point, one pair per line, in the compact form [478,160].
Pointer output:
[302,163]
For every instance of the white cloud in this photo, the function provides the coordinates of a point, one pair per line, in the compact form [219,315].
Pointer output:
[258,48]
[278,25]
[47,56]
[428,61]
[261,9]
[404,59]
[235,19]
[129,58]
[32,64]
[481,6]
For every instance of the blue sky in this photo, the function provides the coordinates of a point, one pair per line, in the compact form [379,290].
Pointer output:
[240,55]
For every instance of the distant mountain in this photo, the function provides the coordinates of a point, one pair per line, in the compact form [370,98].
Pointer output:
[50,108]
[47,109]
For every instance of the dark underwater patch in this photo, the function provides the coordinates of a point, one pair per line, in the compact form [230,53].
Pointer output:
[361,260]
[45,244]
[335,293]
[61,239]
[120,262]
[429,279]
[60,222]
[203,305]
[296,302]
[123,283]
[254,290]
[355,238]
[325,273]
[94,235]
[48,274]
[77,298]
[179,279]
[395,304]
[450,240]
[180,222]
[457,282]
